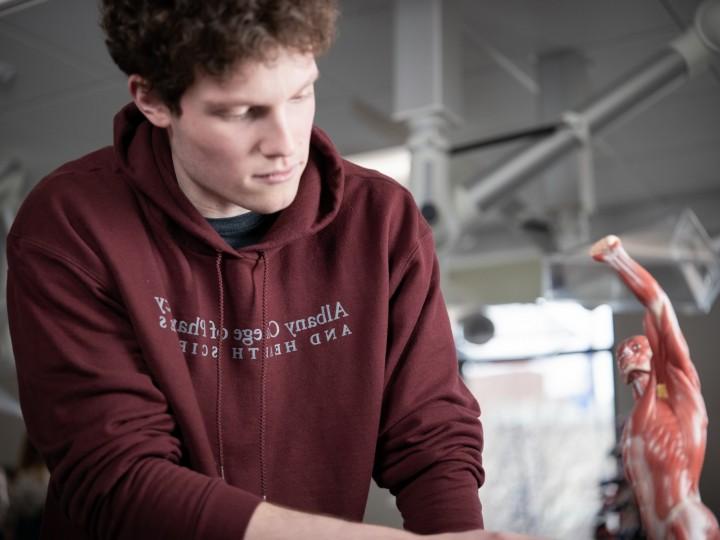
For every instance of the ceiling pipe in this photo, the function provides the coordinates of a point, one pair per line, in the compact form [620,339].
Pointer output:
[689,54]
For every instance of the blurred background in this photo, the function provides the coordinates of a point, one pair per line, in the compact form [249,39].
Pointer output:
[526,130]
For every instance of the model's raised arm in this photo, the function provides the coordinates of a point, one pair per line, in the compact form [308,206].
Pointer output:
[660,319]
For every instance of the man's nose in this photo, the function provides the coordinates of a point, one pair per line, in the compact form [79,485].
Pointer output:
[277,140]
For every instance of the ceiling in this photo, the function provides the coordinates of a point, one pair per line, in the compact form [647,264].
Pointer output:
[65,89]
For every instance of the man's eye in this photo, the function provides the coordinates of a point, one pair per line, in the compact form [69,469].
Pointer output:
[237,114]
[303,96]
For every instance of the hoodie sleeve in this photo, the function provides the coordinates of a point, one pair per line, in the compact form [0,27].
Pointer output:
[430,443]
[93,411]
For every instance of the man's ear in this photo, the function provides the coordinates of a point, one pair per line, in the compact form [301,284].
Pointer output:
[148,102]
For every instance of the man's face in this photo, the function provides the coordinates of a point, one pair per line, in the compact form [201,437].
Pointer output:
[242,143]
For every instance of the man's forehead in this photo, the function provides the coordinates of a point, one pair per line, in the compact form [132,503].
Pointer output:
[255,80]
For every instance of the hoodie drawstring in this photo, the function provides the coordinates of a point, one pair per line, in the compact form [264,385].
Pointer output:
[218,371]
[263,376]
[263,373]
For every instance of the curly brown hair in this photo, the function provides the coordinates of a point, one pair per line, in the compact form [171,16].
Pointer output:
[167,42]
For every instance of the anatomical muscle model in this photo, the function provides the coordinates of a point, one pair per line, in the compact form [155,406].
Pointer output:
[663,442]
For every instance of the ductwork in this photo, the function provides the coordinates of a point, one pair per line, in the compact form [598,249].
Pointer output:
[691,53]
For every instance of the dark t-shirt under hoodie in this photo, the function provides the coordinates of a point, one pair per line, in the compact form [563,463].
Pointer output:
[172,382]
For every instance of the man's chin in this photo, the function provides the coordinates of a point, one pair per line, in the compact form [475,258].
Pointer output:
[272,206]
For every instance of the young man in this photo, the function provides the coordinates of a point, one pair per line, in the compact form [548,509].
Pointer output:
[218,319]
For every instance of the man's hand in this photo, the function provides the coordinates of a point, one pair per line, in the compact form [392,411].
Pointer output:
[480,535]
[270,522]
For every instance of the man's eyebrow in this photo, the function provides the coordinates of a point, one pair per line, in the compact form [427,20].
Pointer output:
[232,103]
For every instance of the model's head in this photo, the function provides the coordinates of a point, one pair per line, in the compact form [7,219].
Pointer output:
[633,358]
[168,43]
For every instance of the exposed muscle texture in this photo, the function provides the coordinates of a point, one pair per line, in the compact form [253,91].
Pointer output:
[664,439]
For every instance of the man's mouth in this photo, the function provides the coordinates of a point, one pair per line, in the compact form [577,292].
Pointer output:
[277,176]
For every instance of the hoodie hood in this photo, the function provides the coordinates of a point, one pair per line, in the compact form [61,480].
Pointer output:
[143,154]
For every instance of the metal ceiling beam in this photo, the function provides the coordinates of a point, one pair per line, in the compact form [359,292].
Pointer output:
[683,58]
[428,98]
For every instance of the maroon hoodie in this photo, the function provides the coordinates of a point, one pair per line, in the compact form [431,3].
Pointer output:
[172,382]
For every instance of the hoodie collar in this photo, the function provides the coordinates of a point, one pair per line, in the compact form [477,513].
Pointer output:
[144,157]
